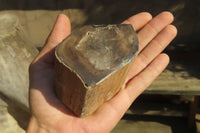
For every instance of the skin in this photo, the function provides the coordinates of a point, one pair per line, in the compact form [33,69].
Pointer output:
[49,115]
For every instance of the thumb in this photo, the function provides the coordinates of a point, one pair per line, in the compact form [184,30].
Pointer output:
[61,29]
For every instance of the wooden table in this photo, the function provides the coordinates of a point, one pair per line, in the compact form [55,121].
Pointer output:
[181,79]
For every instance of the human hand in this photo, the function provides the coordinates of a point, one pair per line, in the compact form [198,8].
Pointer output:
[48,114]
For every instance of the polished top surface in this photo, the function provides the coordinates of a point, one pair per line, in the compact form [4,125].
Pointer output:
[94,52]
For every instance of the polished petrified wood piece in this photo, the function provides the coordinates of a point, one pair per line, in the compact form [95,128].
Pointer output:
[91,65]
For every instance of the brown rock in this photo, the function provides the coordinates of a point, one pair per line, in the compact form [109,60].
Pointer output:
[92,64]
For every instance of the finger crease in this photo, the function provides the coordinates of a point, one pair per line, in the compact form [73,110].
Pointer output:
[152,28]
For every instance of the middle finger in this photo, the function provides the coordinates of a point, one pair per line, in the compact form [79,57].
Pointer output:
[150,30]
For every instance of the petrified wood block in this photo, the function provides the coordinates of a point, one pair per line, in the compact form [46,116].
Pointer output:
[92,64]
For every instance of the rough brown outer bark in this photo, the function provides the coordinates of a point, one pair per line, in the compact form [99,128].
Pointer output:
[69,88]
[83,100]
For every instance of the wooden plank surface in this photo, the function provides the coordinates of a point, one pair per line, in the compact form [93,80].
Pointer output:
[182,77]
[159,109]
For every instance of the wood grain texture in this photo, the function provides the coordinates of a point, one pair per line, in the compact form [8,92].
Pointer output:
[83,100]
[175,83]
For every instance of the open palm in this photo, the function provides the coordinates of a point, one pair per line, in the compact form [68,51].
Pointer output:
[49,115]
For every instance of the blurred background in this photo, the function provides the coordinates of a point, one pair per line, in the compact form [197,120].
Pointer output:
[169,105]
